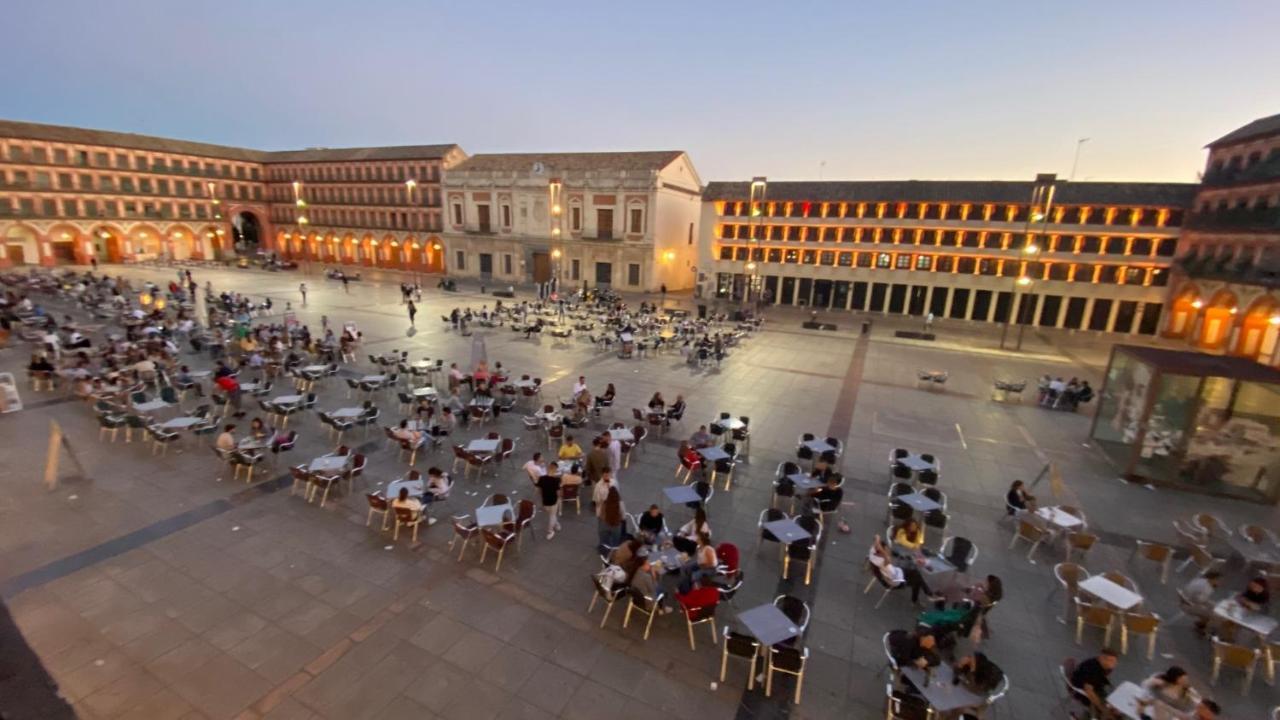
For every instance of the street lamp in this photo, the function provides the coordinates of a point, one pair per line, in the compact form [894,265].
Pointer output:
[1041,204]
[758,195]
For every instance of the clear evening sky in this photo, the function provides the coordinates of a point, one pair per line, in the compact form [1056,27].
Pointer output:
[895,89]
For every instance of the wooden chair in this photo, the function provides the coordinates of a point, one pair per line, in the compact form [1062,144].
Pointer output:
[742,646]
[1139,623]
[1079,543]
[1156,553]
[463,529]
[497,540]
[378,505]
[1270,657]
[571,494]
[1121,579]
[1234,656]
[410,518]
[1098,616]
[1204,561]
[645,605]
[1031,534]
[322,484]
[789,661]
[1069,576]
[1211,525]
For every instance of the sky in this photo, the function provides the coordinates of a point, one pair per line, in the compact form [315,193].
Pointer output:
[859,89]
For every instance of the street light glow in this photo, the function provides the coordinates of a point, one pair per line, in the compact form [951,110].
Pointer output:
[1024,281]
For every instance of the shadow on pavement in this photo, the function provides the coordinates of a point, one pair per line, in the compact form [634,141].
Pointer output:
[26,690]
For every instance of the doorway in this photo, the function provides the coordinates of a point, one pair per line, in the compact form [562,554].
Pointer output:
[541,267]
[64,252]
[604,273]
[821,293]
[482,213]
[245,233]
[16,254]
[486,263]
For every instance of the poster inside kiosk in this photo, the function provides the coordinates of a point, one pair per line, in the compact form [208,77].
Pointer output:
[10,400]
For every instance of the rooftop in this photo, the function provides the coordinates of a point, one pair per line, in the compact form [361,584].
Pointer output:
[993,191]
[1256,129]
[86,136]
[1186,362]
[571,162]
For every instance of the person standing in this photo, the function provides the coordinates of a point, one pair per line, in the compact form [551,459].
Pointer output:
[94,262]
[346,283]
[663,290]
[549,487]
[302,288]
[413,310]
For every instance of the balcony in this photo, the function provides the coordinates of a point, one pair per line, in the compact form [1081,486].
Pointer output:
[1238,220]
[1265,171]
[1243,271]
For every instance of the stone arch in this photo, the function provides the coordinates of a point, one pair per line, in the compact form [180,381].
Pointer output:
[1218,319]
[144,239]
[433,254]
[22,245]
[67,244]
[1182,312]
[182,242]
[1258,327]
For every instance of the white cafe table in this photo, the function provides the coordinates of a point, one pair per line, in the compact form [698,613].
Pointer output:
[1115,595]
[1231,610]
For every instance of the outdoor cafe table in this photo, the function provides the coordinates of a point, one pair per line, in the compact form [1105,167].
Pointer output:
[1115,595]
[1124,699]
[622,434]
[370,379]
[768,624]
[492,515]
[1234,612]
[1055,516]
[329,463]
[936,568]
[348,412]
[787,531]
[248,386]
[712,454]
[481,401]
[818,446]
[151,406]
[940,692]
[200,374]
[427,391]
[917,502]
[915,462]
[250,443]
[667,558]
[731,423]
[483,445]
[524,384]
[314,369]
[805,481]
[416,487]
[681,494]
[1262,552]
[287,400]
[181,423]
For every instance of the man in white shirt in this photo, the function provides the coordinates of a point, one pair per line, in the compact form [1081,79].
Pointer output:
[600,491]
[535,468]
[580,386]
[1199,598]
[615,452]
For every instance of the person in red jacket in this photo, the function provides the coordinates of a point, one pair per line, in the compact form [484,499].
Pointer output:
[231,387]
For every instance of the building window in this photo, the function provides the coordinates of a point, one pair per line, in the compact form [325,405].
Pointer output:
[506,216]
[506,259]
[575,269]
[604,223]
[924,262]
[846,259]
[903,261]
[690,234]
[635,219]
[633,274]
[883,260]
[457,213]
[460,260]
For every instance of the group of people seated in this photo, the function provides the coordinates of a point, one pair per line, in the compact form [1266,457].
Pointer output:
[922,650]
[437,486]
[1168,694]
[1068,395]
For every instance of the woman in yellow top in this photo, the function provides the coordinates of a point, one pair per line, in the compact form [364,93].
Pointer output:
[909,535]
[570,450]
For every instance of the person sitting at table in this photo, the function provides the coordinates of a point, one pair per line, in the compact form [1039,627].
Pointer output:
[703,564]
[405,433]
[607,398]
[1018,499]
[701,438]
[40,364]
[643,577]
[909,535]
[686,538]
[829,496]
[1092,678]
[609,519]
[978,674]
[623,554]
[916,649]
[404,501]
[438,485]
[881,559]
[226,442]
[570,449]
[448,421]
[581,407]
[1197,597]
[1172,688]
[258,429]
[581,386]
[480,378]
[184,376]
[76,340]
[656,403]
[1256,597]
[535,467]
[652,524]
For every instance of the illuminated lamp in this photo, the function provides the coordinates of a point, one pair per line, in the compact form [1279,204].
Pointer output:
[437,246]
[1197,303]
[751,266]
[1274,319]
[145,298]
[65,236]
[160,303]
[1024,281]
[555,254]
[669,255]
[1234,310]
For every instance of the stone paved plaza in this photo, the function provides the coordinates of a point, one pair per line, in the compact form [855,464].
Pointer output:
[153,590]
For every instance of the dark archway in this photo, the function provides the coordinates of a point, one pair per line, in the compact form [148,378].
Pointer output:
[245,233]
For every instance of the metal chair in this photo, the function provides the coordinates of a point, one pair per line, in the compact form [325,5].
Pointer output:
[1159,554]
[1139,623]
[1097,616]
[645,605]
[786,660]
[1031,534]
[1069,576]
[742,646]
[1239,657]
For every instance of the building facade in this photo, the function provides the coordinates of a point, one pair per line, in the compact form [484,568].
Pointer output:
[623,220]
[71,194]
[1226,294]
[1081,256]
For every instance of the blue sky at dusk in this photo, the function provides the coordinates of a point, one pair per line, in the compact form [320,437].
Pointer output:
[924,89]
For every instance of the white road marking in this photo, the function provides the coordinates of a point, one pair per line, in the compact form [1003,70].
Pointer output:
[960,432]
[1032,442]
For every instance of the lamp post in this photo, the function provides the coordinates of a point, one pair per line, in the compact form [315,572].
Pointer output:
[1041,204]
[757,198]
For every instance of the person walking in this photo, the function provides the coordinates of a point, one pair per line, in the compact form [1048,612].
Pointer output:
[413,310]
[302,288]
[663,290]
[346,283]
[94,262]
